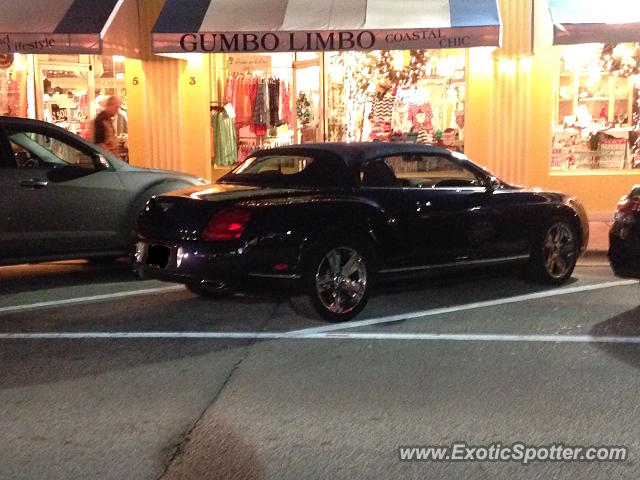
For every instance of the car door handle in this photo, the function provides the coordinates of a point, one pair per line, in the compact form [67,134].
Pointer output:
[34,183]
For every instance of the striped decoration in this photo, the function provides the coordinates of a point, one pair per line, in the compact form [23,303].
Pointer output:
[63,26]
[316,25]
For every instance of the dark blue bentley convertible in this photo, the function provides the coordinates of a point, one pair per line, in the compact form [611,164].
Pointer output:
[335,217]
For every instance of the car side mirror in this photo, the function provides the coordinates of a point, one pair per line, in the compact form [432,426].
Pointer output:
[492,183]
[101,162]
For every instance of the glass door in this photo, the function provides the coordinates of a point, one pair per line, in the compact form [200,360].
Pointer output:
[308,101]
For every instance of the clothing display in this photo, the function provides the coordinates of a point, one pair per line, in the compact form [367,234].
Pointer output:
[425,137]
[13,93]
[243,105]
[261,105]
[274,102]
[225,147]
[420,116]
[285,103]
[382,109]
[406,114]
[260,102]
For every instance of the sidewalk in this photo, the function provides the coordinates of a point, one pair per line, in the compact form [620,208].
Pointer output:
[599,236]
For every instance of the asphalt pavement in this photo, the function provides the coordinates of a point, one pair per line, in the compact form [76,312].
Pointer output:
[107,376]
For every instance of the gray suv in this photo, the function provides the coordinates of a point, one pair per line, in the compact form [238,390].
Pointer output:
[63,197]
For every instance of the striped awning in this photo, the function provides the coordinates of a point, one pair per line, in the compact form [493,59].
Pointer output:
[324,25]
[595,21]
[58,27]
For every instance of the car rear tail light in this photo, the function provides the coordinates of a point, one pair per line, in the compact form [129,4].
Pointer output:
[228,224]
[626,208]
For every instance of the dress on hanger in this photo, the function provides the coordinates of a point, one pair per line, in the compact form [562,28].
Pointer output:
[224,139]
[274,102]
[260,110]
[285,103]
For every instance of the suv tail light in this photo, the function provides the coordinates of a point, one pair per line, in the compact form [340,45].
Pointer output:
[228,224]
[626,208]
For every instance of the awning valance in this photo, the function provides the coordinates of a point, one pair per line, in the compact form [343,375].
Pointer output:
[595,21]
[324,25]
[57,27]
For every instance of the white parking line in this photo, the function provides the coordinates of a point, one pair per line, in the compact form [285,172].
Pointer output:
[460,337]
[332,331]
[93,298]
[459,308]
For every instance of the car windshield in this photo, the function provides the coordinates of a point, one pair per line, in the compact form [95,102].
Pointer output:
[290,170]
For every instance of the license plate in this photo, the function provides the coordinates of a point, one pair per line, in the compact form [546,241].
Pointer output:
[158,256]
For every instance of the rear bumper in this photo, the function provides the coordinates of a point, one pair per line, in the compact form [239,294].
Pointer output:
[199,261]
[190,262]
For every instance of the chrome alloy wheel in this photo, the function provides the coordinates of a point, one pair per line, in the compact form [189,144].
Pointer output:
[559,250]
[341,280]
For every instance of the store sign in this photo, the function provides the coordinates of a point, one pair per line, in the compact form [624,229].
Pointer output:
[49,43]
[206,42]
[248,63]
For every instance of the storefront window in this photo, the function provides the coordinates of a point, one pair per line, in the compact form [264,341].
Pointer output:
[256,107]
[266,100]
[73,89]
[596,104]
[65,95]
[308,103]
[13,85]
[406,96]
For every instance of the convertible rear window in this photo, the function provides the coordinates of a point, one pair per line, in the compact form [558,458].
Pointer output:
[292,169]
[274,165]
